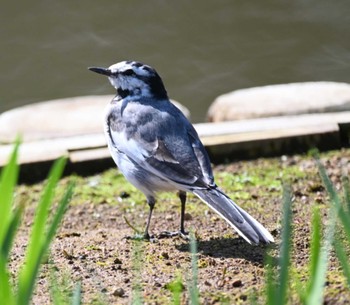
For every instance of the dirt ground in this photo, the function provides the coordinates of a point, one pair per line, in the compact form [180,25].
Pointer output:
[91,246]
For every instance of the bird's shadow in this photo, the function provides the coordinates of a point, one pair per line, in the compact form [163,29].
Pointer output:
[229,248]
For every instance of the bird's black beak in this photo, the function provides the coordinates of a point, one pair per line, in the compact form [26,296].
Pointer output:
[103,71]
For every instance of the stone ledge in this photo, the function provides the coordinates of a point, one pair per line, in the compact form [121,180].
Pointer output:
[58,118]
[224,141]
[281,100]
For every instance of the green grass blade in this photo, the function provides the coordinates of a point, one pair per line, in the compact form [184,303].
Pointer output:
[137,232]
[8,181]
[284,260]
[6,292]
[335,200]
[315,295]
[76,299]
[61,208]
[8,222]
[315,251]
[343,259]
[60,285]
[42,212]
[345,220]
[38,241]
[11,231]
[346,187]
[56,294]
[193,285]
[315,245]
[136,286]
[271,286]
[344,216]
[277,285]
[55,291]
[176,288]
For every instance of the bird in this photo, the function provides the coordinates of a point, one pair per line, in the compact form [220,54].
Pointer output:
[157,149]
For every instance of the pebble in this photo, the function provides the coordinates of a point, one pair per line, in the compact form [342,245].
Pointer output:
[124,195]
[165,255]
[237,283]
[117,261]
[157,284]
[119,292]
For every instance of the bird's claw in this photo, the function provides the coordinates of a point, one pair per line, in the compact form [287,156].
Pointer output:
[168,234]
[142,237]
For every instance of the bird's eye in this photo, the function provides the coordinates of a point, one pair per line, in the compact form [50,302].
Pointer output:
[129,72]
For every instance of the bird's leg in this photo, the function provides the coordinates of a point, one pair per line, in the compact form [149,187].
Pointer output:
[151,203]
[182,196]
[181,233]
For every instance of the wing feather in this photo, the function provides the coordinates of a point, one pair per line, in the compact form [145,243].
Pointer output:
[165,144]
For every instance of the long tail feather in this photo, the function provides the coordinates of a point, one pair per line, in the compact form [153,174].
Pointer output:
[246,226]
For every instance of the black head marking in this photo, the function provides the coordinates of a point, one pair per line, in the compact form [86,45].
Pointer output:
[123,93]
[121,76]
[137,64]
[148,69]
[128,72]
[156,86]
[152,79]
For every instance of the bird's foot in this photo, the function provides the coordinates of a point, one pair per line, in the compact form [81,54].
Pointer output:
[142,237]
[167,234]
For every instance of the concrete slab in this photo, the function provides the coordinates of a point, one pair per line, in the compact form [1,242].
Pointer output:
[57,118]
[224,141]
[281,100]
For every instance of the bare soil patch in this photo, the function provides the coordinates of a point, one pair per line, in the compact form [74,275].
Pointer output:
[90,246]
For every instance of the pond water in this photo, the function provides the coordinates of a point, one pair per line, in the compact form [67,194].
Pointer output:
[200,48]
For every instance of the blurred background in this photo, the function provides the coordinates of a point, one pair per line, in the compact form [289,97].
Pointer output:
[200,48]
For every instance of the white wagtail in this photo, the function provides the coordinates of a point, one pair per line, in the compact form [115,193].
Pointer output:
[157,148]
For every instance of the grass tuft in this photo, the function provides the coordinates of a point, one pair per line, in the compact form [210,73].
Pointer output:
[277,284]
[193,282]
[43,229]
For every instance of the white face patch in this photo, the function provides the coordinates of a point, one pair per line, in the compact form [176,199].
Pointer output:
[117,67]
[142,70]
[133,79]
[130,81]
